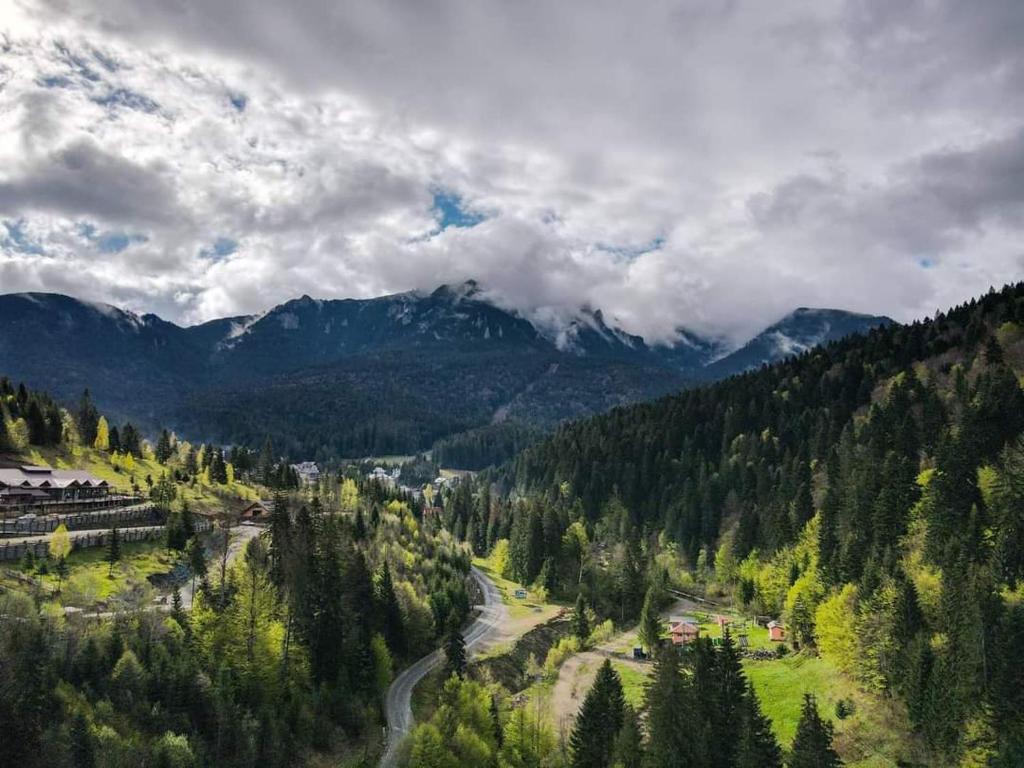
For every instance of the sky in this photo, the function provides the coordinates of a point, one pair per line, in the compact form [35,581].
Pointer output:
[698,164]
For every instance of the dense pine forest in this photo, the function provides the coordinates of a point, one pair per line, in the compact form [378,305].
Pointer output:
[284,655]
[285,651]
[870,493]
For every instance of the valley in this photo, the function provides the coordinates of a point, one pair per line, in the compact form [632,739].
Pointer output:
[794,561]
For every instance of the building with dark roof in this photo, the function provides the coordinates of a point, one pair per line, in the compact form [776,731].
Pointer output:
[29,484]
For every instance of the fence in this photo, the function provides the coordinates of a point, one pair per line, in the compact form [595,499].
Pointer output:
[146,514]
[11,551]
[9,511]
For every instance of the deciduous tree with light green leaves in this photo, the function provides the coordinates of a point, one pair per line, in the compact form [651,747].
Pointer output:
[102,441]
[349,496]
[59,545]
[835,628]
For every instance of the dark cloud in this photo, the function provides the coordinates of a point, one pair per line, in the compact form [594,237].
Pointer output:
[85,180]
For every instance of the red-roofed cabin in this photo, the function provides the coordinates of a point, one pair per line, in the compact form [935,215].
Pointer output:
[684,632]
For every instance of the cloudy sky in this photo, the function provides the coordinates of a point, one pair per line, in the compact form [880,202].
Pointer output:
[701,164]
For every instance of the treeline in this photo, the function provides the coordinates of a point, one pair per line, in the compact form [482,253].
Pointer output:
[28,418]
[485,446]
[32,418]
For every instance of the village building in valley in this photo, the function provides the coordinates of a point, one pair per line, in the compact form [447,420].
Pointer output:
[308,472]
[30,485]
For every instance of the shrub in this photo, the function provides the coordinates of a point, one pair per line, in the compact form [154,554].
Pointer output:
[558,654]
[845,708]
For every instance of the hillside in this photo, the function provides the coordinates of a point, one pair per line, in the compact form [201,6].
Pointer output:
[867,493]
[355,377]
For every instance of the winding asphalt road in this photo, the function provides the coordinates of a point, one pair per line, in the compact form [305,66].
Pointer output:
[398,702]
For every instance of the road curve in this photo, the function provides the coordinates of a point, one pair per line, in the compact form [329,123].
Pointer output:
[398,701]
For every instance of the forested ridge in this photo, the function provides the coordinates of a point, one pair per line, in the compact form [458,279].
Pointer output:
[870,494]
[285,652]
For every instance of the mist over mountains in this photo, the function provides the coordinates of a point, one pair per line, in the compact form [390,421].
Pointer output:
[354,377]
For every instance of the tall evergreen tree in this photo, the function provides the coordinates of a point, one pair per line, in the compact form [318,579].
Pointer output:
[629,746]
[86,419]
[674,729]
[455,652]
[599,721]
[164,450]
[729,690]
[83,751]
[113,550]
[650,622]
[580,624]
[812,745]
[756,747]
[392,624]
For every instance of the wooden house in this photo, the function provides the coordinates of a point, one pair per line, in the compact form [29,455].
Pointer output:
[683,631]
[258,511]
[776,632]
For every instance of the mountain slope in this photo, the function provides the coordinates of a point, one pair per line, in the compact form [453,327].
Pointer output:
[797,332]
[383,375]
[133,363]
[868,493]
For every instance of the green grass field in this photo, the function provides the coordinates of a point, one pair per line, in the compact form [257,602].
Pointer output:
[634,682]
[90,578]
[782,683]
[876,735]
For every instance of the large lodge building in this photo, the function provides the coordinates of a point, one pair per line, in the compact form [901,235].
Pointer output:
[29,485]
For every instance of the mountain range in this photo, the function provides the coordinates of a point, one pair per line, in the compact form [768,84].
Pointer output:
[374,376]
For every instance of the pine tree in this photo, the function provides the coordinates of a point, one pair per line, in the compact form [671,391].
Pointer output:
[499,733]
[392,627]
[192,462]
[812,745]
[196,560]
[599,721]
[674,728]
[83,753]
[580,624]
[650,622]
[756,747]
[455,652]
[131,442]
[629,746]
[164,449]
[86,419]
[265,465]
[729,689]
[177,608]
[37,428]
[280,538]
[218,469]
[113,550]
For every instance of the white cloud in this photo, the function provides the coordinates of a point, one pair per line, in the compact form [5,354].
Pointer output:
[842,154]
